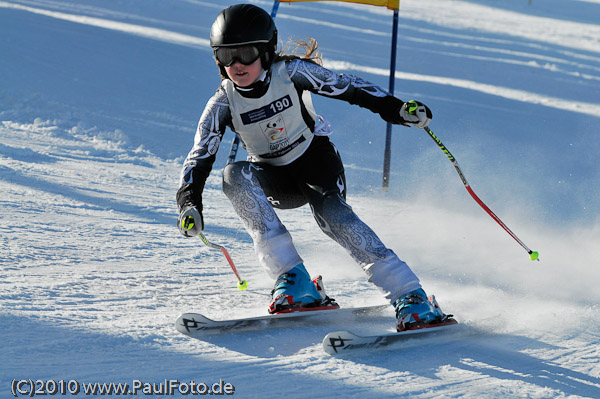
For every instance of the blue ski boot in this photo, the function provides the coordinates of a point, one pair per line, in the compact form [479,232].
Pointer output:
[294,290]
[414,311]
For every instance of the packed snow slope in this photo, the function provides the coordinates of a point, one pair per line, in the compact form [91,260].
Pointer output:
[99,101]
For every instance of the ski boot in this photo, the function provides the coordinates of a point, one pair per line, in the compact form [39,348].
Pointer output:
[414,311]
[295,291]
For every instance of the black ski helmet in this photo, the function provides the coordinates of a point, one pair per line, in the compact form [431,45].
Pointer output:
[243,24]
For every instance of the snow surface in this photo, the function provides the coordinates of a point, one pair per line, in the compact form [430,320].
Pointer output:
[99,100]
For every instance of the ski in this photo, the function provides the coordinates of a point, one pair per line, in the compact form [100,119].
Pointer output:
[197,325]
[339,342]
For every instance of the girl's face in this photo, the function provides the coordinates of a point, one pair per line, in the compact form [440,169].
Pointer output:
[244,75]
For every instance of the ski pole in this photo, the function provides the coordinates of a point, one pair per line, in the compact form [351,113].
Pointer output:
[533,255]
[242,284]
[234,149]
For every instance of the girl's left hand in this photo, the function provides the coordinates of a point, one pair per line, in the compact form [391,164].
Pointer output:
[415,113]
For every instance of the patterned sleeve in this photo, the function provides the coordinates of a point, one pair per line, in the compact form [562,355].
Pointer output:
[198,163]
[350,88]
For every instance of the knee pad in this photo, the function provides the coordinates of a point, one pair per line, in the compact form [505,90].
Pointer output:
[332,209]
[235,173]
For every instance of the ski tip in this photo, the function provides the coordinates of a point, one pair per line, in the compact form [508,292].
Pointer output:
[188,322]
[335,341]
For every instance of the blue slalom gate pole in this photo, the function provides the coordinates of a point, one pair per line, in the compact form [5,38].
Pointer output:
[387,155]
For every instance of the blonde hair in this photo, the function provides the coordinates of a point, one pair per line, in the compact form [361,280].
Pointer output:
[306,50]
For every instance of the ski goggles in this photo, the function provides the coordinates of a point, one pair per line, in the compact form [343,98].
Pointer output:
[244,55]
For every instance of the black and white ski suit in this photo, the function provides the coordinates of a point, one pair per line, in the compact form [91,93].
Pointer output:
[291,162]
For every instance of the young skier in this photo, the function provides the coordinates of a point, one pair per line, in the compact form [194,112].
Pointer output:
[264,97]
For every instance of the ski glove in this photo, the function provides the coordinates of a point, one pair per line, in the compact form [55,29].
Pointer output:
[190,221]
[415,113]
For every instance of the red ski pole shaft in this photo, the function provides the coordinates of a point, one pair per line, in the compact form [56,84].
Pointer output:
[242,284]
[533,255]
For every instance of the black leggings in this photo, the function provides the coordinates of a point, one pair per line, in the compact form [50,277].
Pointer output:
[317,174]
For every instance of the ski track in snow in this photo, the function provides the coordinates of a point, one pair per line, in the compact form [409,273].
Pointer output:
[93,271]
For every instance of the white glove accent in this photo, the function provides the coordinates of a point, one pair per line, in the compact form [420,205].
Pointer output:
[415,113]
[190,222]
